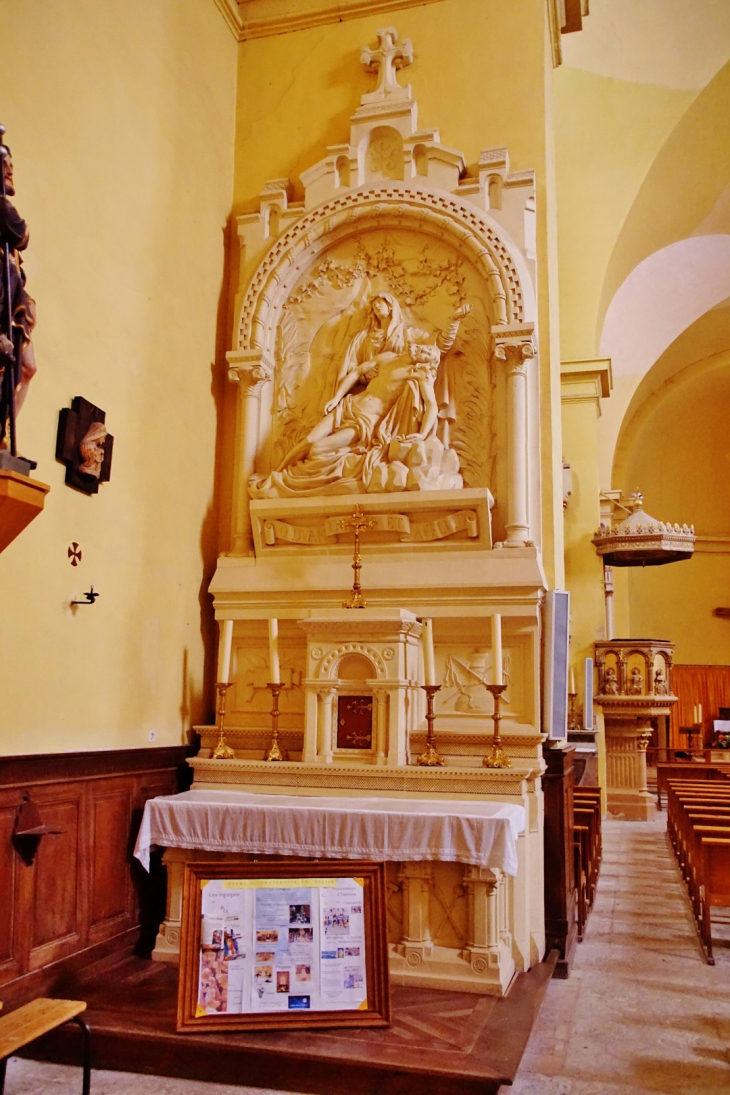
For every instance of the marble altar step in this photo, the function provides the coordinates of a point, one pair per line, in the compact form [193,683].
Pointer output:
[441,1042]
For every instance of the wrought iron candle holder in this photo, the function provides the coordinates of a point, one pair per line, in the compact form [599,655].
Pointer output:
[430,757]
[275,751]
[496,757]
[222,750]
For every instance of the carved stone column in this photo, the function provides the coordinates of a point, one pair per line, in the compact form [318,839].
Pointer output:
[380,695]
[251,371]
[324,724]
[515,350]
[167,944]
[416,883]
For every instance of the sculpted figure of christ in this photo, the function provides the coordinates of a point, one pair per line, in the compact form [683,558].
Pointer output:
[399,369]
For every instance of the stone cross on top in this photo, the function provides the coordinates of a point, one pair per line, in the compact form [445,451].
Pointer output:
[386,60]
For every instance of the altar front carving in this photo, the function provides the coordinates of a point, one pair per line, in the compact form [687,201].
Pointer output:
[384,359]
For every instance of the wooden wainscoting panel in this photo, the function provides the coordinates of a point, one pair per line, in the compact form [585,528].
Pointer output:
[111,891]
[9,864]
[58,914]
[84,897]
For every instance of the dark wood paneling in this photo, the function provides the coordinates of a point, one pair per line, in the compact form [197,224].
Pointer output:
[8,866]
[56,916]
[58,767]
[83,894]
[110,886]
[561,927]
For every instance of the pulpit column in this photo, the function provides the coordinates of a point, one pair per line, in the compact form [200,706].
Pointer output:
[251,371]
[515,351]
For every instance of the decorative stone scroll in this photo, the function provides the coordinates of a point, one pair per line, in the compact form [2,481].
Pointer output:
[422,519]
[418,532]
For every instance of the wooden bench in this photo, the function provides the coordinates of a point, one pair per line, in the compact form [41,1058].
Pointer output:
[690,770]
[698,822]
[586,849]
[21,1027]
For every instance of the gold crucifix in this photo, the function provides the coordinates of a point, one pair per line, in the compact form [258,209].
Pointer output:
[358,522]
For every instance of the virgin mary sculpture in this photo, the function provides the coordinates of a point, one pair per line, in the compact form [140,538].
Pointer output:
[378,427]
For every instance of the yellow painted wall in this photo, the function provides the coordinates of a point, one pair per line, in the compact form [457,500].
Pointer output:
[121,121]
[680,453]
[583,568]
[482,76]
[640,164]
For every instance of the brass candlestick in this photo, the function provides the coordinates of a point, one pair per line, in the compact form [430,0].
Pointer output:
[430,757]
[358,522]
[496,757]
[222,750]
[572,724]
[275,752]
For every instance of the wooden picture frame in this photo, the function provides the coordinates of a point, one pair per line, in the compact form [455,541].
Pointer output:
[255,931]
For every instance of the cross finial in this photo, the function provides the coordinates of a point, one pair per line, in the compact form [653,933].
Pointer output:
[386,60]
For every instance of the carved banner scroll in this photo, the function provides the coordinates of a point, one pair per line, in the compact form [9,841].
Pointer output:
[407,531]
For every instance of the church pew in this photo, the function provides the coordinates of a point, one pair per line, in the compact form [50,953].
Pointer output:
[695,825]
[678,802]
[587,834]
[586,818]
[581,903]
[691,770]
[699,824]
[715,886]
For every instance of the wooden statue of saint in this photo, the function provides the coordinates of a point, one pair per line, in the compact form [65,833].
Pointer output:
[17,308]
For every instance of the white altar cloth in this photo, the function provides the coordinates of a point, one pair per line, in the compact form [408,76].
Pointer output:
[454,831]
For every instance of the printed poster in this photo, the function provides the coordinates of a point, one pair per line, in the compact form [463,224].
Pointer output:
[273,945]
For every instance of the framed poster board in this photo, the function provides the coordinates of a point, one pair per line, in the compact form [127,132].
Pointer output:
[283,944]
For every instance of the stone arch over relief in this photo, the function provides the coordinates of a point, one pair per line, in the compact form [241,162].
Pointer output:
[329,667]
[435,214]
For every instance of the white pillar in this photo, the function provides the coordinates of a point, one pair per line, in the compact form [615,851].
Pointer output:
[515,350]
[326,699]
[380,727]
[251,372]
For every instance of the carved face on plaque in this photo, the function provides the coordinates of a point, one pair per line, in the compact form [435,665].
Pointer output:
[84,445]
[92,449]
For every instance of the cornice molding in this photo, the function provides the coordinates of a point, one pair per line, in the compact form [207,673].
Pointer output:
[261,18]
[586,381]
[232,16]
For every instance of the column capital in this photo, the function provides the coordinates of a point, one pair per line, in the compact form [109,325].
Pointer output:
[252,369]
[514,345]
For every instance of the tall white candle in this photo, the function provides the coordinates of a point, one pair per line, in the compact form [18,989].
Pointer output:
[694,715]
[224,651]
[699,712]
[429,664]
[274,670]
[571,683]
[497,675]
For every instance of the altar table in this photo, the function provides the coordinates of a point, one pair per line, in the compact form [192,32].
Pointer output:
[482,834]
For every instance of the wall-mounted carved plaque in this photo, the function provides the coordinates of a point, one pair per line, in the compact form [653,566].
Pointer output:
[84,445]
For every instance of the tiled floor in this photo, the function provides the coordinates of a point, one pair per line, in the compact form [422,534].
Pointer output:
[641,1014]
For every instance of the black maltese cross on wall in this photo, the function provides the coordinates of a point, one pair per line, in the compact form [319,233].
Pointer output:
[84,445]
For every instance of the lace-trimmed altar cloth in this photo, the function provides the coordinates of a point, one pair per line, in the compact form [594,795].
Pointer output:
[483,834]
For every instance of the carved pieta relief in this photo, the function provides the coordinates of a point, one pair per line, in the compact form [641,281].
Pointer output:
[383,379]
